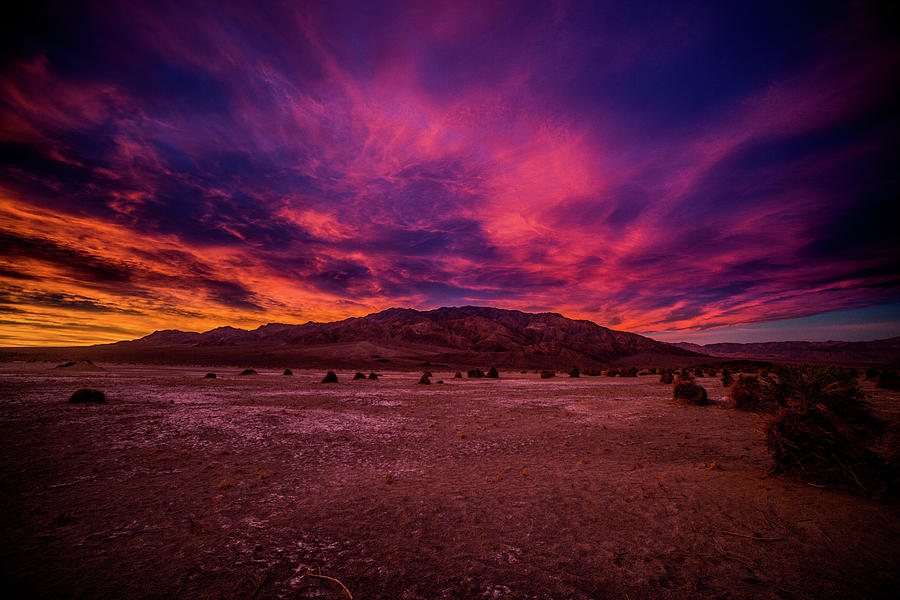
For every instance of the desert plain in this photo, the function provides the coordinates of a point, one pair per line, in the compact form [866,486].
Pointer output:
[273,486]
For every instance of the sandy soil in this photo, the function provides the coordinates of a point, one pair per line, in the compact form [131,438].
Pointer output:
[238,487]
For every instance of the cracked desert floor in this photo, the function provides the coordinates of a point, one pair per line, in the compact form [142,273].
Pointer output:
[250,486]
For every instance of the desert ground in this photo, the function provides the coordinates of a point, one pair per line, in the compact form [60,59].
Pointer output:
[265,486]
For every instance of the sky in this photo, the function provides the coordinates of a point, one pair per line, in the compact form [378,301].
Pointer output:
[713,171]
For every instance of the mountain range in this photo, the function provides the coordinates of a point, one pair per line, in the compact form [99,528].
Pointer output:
[872,352]
[467,336]
[459,337]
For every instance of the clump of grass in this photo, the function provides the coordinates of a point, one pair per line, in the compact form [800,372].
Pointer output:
[373,376]
[476,374]
[746,393]
[330,377]
[287,372]
[667,378]
[493,373]
[612,373]
[248,372]
[209,376]
[575,372]
[86,395]
[687,391]
[548,374]
[424,380]
[889,380]
[727,378]
[458,375]
[629,372]
[358,376]
[823,430]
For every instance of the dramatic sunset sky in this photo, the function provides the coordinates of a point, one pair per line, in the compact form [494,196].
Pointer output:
[693,171]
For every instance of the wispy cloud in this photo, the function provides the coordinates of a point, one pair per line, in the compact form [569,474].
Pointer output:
[665,169]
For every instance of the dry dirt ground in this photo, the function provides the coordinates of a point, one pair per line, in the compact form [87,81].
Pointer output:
[246,487]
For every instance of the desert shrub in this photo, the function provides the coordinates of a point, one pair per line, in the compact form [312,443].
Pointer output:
[493,373]
[873,373]
[687,391]
[686,373]
[628,372]
[288,372]
[86,395]
[823,430]
[612,373]
[746,393]
[428,374]
[889,380]
[248,372]
[424,380]
[645,372]
[807,384]
[330,377]
[698,372]
[592,372]
[209,376]
[476,374]
[373,376]
[359,376]
[726,377]
[575,372]
[458,375]
[666,378]
[548,374]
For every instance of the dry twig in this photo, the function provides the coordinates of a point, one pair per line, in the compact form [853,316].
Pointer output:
[337,581]
[258,579]
[748,536]
[732,556]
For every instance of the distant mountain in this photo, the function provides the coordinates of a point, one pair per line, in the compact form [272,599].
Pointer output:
[404,338]
[875,352]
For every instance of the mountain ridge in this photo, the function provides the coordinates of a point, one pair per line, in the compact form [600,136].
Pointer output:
[881,351]
[398,338]
[451,333]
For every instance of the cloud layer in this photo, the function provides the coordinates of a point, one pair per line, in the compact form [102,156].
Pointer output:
[671,168]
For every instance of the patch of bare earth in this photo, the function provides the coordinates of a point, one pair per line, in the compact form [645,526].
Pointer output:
[251,487]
